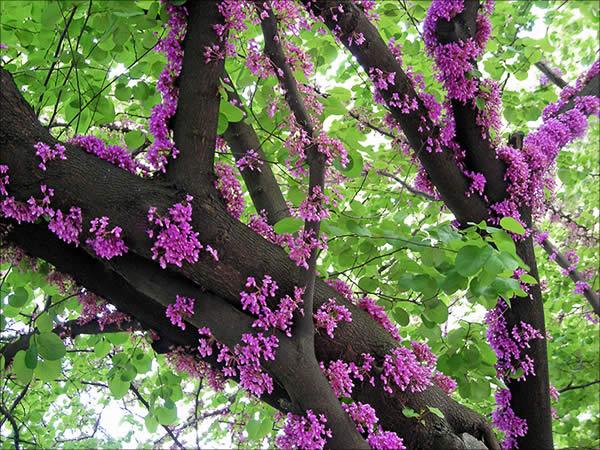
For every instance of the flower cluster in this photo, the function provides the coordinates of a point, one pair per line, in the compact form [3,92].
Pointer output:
[95,308]
[256,303]
[106,244]
[250,160]
[365,419]
[30,211]
[183,360]
[377,312]
[114,154]
[404,368]
[230,189]
[180,310]
[338,374]
[330,314]
[312,208]
[66,227]
[176,241]
[170,46]
[508,346]
[46,153]
[304,432]
[505,419]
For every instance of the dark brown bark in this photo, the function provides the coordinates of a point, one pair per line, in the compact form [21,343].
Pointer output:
[195,122]
[102,189]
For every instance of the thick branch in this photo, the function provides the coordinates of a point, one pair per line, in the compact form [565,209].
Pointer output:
[480,155]
[195,122]
[574,275]
[374,53]
[262,186]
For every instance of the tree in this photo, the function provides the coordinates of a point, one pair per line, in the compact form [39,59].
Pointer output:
[396,177]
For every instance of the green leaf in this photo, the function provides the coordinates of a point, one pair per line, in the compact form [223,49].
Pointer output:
[117,338]
[134,139]
[31,357]
[408,412]
[151,423]
[367,284]
[453,282]
[48,370]
[222,124]
[438,313]
[470,259]
[253,429]
[287,225]
[436,411]
[101,348]
[118,388]
[504,242]
[19,297]
[51,17]
[20,369]
[480,103]
[43,323]
[50,346]
[526,278]
[166,416]
[231,112]
[401,316]
[511,224]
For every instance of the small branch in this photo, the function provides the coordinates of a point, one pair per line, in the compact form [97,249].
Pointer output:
[574,275]
[14,425]
[552,76]
[262,186]
[56,53]
[133,389]
[581,386]
[407,186]
[316,160]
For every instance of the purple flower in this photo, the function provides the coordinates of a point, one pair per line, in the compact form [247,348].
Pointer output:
[180,310]
[106,244]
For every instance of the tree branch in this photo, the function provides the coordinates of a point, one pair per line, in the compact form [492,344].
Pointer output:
[581,386]
[374,53]
[574,275]
[262,186]
[552,76]
[133,389]
[480,155]
[13,424]
[195,121]
[345,434]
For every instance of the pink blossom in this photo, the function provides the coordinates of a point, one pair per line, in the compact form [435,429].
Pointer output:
[106,244]
[46,153]
[176,240]
[329,315]
[304,432]
[66,227]
[230,189]
[182,308]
